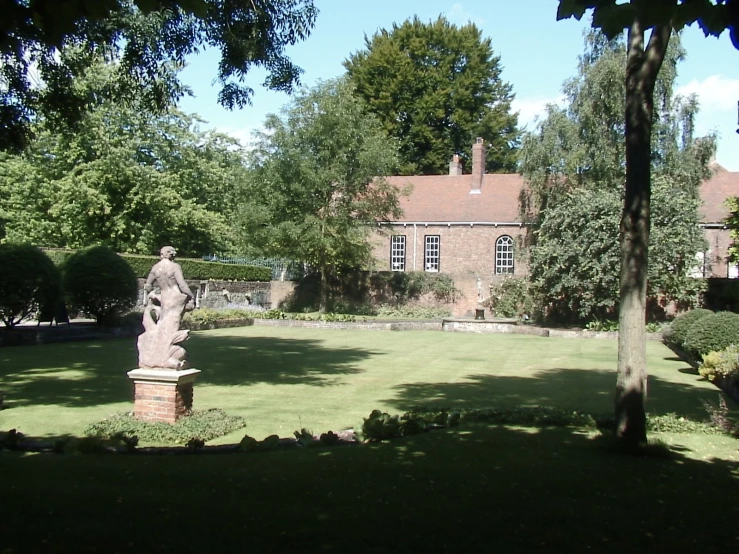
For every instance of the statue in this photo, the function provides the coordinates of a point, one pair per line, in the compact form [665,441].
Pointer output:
[159,344]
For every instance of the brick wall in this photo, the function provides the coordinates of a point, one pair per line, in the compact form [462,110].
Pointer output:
[466,253]
[719,241]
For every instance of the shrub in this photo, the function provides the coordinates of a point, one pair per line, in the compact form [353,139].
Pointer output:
[29,281]
[200,269]
[711,333]
[202,425]
[677,332]
[510,297]
[413,311]
[723,363]
[98,282]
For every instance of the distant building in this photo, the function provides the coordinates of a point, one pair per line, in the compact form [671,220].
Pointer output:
[469,227]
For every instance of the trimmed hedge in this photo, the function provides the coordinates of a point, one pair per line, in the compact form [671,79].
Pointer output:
[29,283]
[679,328]
[191,268]
[200,269]
[712,333]
[99,282]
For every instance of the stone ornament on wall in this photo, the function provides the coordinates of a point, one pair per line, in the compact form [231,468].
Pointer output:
[167,298]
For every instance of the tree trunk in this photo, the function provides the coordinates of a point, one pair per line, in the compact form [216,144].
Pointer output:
[642,67]
[323,295]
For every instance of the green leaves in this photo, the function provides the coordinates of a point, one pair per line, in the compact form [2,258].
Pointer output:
[436,87]
[574,164]
[312,193]
[125,178]
[143,37]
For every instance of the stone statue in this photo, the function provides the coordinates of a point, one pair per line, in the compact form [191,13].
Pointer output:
[159,344]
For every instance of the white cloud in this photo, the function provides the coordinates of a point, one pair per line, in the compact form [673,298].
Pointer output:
[457,14]
[715,93]
[533,108]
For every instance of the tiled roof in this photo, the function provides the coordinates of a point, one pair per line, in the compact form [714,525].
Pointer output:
[714,191]
[447,198]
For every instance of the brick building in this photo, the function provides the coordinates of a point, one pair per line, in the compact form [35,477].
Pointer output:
[468,226]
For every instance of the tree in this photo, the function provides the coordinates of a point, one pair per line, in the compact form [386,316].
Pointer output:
[436,87]
[642,66]
[125,178]
[98,282]
[38,70]
[574,167]
[29,281]
[313,195]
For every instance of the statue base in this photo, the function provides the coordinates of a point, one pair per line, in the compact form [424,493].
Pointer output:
[162,395]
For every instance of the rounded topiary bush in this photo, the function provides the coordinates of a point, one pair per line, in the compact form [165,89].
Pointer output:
[98,282]
[29,281]
[678,330]
[712,333]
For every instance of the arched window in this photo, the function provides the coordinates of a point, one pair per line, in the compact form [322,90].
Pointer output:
[504,255]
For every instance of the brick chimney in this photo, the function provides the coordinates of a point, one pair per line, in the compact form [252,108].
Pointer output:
[478,165]
[455,166]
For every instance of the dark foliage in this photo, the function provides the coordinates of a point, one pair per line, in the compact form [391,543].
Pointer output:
[29,282]
[99,282]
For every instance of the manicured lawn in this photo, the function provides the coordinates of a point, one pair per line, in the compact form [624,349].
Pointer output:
[282,379]
[475,488]
[472,489]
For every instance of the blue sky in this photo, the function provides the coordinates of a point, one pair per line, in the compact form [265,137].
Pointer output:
[537,54]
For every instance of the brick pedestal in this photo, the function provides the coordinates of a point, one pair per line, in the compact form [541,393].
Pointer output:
[162,395]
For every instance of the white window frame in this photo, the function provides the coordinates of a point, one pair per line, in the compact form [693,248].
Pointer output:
[431,253]
[397,252]
[504,256]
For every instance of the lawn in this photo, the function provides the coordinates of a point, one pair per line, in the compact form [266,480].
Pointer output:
[475,488]
[284,379]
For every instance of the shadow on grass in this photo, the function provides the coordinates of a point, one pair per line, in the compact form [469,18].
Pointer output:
[473,489]
[246,361]
[589,390]
[94,373]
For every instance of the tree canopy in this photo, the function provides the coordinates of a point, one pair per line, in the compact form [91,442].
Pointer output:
[315,192]
[125,178]
[574,165]
[436,87]
[650,24]
[38,68]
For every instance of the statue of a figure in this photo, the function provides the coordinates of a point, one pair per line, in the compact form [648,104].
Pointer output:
[159,344]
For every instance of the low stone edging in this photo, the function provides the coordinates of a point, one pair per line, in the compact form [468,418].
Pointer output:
[434,325]
[68,333]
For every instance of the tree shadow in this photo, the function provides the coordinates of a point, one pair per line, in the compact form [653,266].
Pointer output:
[573,389]
[477,488]
[251,360]
[94,373]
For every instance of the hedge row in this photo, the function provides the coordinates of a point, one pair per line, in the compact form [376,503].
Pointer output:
[701,331]
[191,268]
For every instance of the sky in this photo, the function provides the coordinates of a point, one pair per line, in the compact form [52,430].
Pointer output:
[537,53]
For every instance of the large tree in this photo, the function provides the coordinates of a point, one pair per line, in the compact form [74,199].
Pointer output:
[574,165]
[656,19]
[125,178]
[316,191]
[38,69]
[436,87]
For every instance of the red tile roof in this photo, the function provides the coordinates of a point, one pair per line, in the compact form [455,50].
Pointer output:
[714,191]
[447,198]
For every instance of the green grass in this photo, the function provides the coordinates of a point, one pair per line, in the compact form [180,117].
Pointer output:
[476,488]
[282,379]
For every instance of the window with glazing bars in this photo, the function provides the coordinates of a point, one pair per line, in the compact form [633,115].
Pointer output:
[504,255]
[397,253]
[431,253]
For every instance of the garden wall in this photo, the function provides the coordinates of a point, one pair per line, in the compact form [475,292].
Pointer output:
[229,294]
